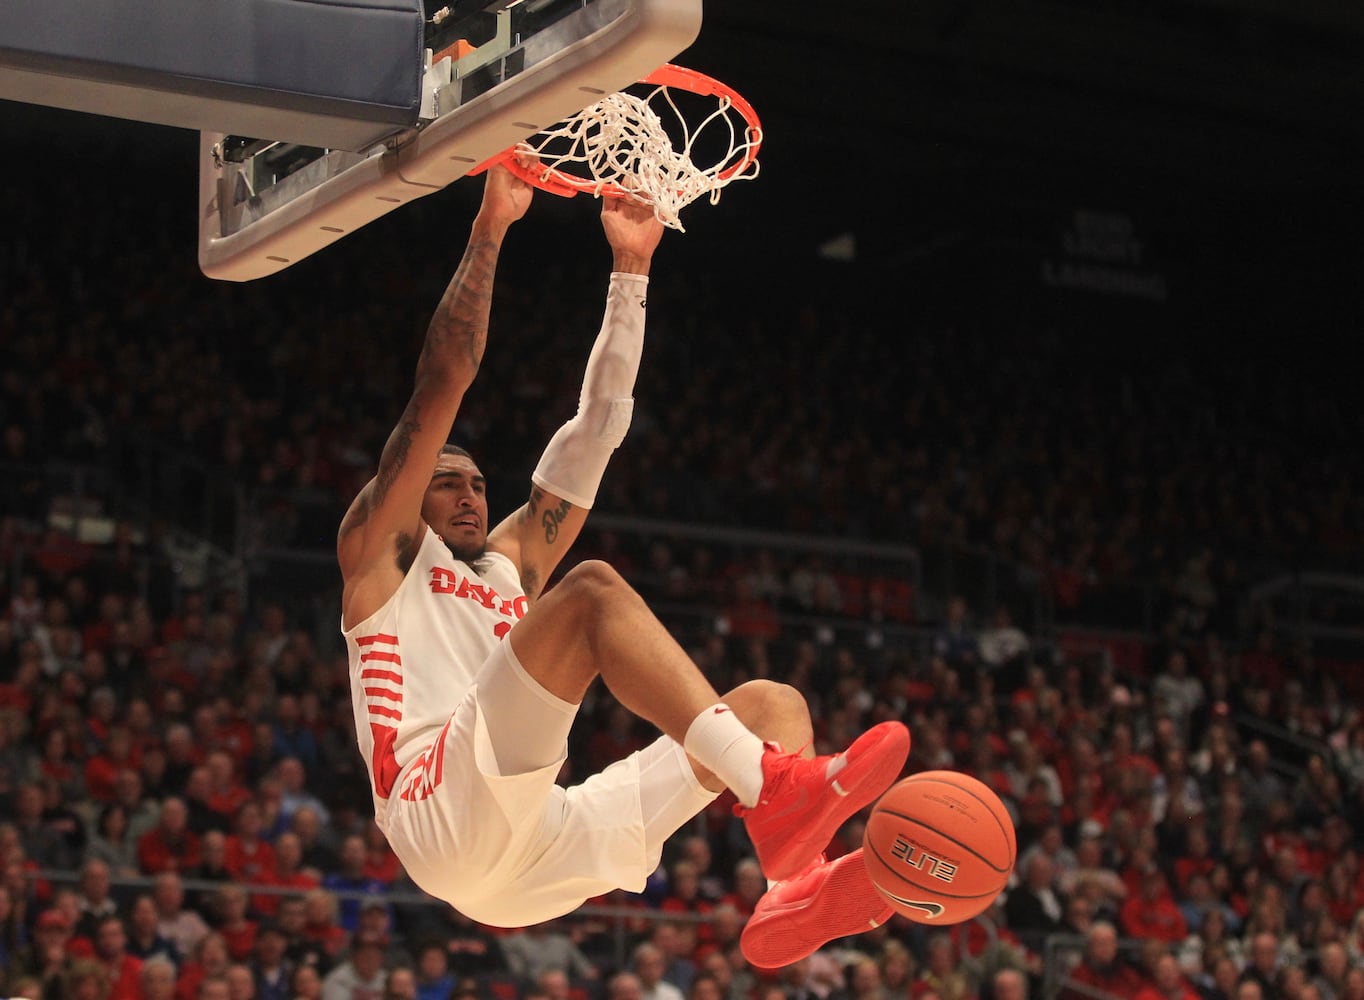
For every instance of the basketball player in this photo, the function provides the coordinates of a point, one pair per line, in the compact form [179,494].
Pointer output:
[466,677]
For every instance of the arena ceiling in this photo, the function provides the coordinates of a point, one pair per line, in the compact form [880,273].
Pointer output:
[888,100]
[1249,91]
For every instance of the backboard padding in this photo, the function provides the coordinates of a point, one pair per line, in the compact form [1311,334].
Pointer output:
[339,74]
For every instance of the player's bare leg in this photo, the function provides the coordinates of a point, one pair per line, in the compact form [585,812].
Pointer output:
[593,623]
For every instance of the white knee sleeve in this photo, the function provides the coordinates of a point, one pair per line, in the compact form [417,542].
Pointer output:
[575,460]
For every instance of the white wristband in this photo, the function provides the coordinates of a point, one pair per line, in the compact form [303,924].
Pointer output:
[575,459]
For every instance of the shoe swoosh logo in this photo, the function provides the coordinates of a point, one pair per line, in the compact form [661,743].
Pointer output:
[931,910]
[798,802]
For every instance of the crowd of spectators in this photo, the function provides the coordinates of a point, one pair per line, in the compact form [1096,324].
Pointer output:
[196,775]
[1027,440]
[185,814]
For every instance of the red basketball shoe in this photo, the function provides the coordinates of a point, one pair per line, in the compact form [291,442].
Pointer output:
[805,800]
[831,900]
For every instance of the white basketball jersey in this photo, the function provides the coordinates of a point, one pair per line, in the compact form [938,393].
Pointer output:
[413,660]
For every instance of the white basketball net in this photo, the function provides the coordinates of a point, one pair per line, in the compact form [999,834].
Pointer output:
[622,141]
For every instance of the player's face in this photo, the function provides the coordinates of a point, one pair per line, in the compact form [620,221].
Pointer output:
[456,506]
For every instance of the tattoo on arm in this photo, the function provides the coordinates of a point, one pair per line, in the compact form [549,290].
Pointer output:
[552,518]
[395,457]
[460,324]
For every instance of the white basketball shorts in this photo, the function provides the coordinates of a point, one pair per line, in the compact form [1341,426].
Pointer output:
[507,846]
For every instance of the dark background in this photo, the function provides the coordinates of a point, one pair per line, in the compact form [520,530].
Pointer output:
[954,142]
[956,136]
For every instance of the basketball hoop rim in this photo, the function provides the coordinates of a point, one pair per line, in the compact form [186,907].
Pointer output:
[672,75]
[667,75]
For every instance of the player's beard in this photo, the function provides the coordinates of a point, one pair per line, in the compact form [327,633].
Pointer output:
[470,554]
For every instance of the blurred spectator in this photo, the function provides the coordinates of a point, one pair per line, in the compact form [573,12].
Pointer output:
[88,979]
[320,926]
[955,641]
[1102,968]
[231,920]
[39,845]
[305,984]
[111,843]
[270,966]
[352,880]
[381,864]
[300,949]
[170,845]
[1262,967]
[1333,965]
[361,975]
[1051,842]
[684,893]
[376,921]
[247,856]
[208,961]
[863,979]
[1259,784]
[211,868]
[749,885]
[96,902]
[1151,913]
[649,963]
[295,794]
[1003,646]
[182,755]
[123,971]
[1034,909]
[158,978]
[142,811]
[434,978]
[697,850]
[183,928]
[624,986]
[46,959]
[1168,983]
[1009,984]
[145,940]
[1220,981]
[241,984]
[286,873]
[1176,693]
[942,973]
[290,737]
[534,950]
[401,985]
[307,825]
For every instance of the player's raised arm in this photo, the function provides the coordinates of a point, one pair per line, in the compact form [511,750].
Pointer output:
[564,484]
[384,525]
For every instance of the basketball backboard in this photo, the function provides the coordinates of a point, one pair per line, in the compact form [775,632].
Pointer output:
[341,73]
[493,72]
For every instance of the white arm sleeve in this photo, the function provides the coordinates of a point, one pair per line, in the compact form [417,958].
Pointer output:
[575,459]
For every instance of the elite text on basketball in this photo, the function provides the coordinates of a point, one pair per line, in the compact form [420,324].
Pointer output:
[916,857]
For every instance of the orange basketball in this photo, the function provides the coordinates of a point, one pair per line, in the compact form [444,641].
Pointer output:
[939,847]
